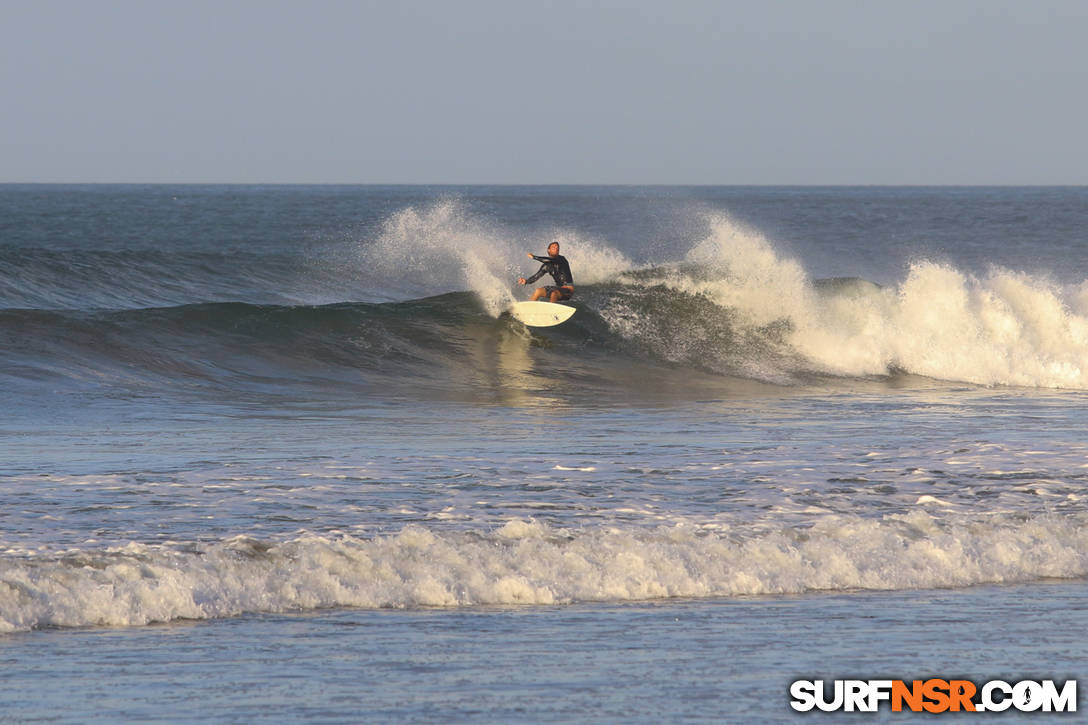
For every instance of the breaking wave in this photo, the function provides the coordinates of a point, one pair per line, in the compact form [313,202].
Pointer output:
[434,281]
[734,298]
[526,562]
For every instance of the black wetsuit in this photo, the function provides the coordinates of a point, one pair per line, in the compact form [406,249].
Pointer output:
[559,269]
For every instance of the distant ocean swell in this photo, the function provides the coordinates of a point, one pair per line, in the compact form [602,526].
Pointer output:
[524,562]
[131,279]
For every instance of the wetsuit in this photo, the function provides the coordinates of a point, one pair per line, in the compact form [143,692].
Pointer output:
[559,269]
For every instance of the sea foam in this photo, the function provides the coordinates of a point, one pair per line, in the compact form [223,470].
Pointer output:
[527,562]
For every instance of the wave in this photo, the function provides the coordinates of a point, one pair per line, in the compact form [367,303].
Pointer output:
[847,329]
[526,562]
[437,279]
[1002,328]
[736,306]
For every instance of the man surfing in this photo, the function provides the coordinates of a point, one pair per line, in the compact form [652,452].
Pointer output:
[558,267]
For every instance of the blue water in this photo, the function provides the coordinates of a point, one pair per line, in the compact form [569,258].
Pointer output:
[277,453]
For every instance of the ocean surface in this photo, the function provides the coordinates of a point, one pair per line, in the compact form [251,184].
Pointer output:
[277,453]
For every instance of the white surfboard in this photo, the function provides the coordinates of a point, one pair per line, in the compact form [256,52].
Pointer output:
[541,314]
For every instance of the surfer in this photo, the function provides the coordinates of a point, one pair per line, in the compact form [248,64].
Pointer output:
[558,267]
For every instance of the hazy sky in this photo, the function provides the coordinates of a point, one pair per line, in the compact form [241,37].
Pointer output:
[525,91]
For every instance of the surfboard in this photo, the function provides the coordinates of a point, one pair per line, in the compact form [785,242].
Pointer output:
[541,314]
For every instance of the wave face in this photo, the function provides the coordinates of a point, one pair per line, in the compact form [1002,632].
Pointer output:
[526,563]
[232,343]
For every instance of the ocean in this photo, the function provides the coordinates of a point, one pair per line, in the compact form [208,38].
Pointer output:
[278,453]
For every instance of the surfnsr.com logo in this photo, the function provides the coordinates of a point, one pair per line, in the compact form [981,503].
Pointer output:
[934,695]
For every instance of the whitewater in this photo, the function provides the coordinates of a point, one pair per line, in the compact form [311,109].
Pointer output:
[788,432]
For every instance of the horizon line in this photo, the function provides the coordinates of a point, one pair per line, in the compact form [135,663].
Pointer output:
[550,184]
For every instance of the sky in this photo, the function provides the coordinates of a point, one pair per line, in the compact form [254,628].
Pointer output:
[534,92]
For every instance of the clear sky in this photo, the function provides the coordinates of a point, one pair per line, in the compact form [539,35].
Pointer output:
[528,91]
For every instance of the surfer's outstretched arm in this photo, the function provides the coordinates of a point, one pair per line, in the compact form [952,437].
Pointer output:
[539,273]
